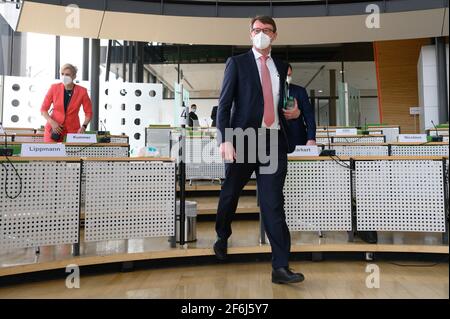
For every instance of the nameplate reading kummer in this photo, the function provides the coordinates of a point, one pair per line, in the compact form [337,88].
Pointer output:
[81,138]
[43,150]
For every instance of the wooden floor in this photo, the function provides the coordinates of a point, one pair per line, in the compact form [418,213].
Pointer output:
[343,279]
[245,240]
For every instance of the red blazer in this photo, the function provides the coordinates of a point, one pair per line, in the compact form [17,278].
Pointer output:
[70,120]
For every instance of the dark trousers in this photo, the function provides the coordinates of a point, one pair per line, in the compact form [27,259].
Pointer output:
[271,199]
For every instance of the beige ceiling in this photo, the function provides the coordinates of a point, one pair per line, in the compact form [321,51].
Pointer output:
[51,19]
[445,24]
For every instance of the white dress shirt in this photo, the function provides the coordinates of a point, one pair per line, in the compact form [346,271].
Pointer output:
[275,76]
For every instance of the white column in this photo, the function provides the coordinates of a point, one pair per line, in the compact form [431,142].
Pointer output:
[428,89]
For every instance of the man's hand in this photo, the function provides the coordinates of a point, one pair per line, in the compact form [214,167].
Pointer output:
[311,142]
[81,130]
[56,127]
[227,151]
[293,113]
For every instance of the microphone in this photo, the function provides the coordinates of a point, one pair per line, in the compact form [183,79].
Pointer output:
[436,138]
[104,138]
[5,151]
[329,151]
[102,126]
[365,131]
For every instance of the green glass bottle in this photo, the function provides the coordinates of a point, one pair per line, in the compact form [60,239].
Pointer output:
[289,102]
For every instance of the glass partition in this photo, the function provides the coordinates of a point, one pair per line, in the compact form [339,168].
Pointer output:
[348,111]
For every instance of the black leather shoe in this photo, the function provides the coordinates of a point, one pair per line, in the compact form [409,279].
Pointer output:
[285,276]
[370,237]
[220,249]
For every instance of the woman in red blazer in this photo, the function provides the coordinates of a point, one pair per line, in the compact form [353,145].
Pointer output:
[67,98]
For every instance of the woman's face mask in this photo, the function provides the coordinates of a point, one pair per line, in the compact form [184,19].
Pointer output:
[66,80]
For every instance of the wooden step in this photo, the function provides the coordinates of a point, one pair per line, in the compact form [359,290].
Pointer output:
[207,205]
[201,187]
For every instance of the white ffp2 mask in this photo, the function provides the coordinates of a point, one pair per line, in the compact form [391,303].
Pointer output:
[261,41]
[66,80]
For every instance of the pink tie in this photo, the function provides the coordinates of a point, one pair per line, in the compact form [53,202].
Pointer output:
[269,116]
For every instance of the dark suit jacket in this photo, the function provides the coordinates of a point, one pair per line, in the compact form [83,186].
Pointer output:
[193,119]
[214,116]
[241,102]
[304,128]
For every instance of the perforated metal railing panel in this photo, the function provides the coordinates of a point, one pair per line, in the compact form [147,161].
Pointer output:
[203,160]
[361,150]
[423,150]
[205,171]
[391,133]
[20,130]
[97,151]
[358,139]
[323,140]
[47,211]
[119,139]
[34,138]
[400,195]
[29,138]
[419,150]
[129,199]
[325,134]
[317,196]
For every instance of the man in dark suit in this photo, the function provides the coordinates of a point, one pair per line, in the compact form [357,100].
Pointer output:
[302,130]
[193,118]
[252,99]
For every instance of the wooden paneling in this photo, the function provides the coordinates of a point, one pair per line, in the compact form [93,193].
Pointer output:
[396,63]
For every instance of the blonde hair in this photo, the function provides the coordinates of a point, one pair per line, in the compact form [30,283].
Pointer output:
[71,67]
